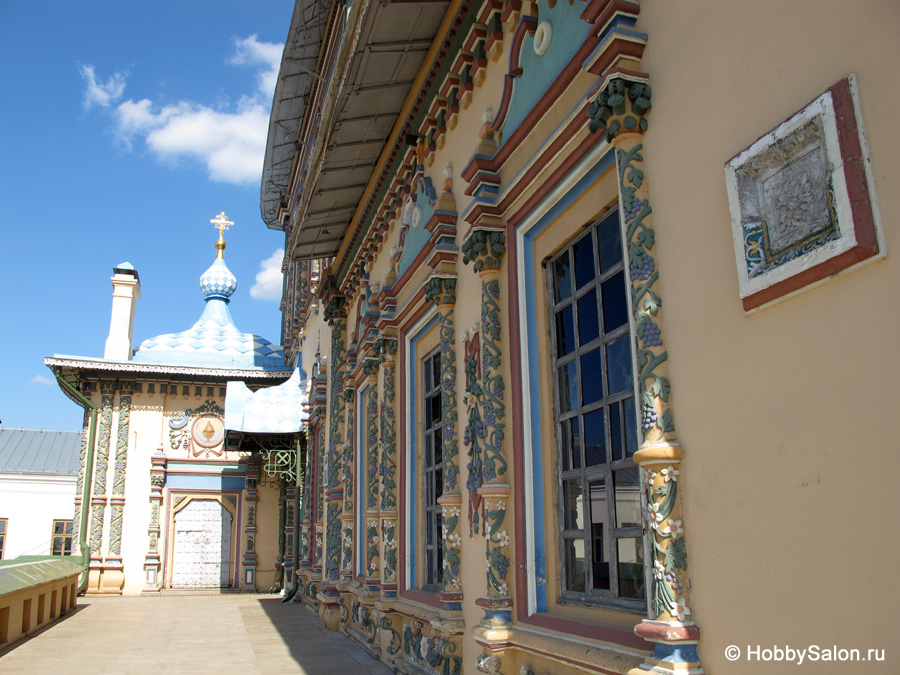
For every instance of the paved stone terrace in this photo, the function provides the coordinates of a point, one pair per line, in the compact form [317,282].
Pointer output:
[220,634]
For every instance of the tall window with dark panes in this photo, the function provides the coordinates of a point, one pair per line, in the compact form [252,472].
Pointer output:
[3,522]
[432,471]
[601,544]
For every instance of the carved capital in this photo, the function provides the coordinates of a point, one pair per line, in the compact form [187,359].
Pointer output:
[335,310]
[441,290]
[126,387]
[107,386]
[385,348]
[485,247]
[370,367]
[158,481]
[620,107]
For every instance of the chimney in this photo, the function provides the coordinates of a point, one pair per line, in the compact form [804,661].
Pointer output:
[126,291]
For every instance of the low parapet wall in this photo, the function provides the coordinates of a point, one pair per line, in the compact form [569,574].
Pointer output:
[35,593]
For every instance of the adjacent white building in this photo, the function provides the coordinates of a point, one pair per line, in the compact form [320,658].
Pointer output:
[38,470]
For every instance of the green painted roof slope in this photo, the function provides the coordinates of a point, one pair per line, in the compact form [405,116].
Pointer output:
[20,574]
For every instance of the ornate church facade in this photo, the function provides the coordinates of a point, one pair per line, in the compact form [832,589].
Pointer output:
[165,498]
[514,233]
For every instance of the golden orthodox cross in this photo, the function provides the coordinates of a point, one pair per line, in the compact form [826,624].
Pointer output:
[222,223]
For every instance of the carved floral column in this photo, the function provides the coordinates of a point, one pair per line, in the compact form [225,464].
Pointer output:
[368,501]
[620,111]
[485,247]
[307,496]
[347,463]
[79,485]
[329,598]
[117,501]
[101,466]
[386,349]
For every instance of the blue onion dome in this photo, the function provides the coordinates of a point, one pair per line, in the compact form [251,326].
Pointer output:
[218,281]
[214,341]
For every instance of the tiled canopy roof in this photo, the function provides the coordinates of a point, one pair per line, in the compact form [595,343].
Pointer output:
[214,341]
[277,409]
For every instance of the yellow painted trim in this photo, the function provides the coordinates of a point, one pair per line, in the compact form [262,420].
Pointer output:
[659,453]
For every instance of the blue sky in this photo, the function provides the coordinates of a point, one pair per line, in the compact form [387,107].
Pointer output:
[126,127]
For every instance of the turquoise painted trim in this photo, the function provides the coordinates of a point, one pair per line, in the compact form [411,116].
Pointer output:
[619,22]
[412,493]
[204,482]
[569,31]
[680,653]
[416,237]
[535,365]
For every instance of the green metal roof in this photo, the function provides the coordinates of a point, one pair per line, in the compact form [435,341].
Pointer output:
[22,573]
[35,451]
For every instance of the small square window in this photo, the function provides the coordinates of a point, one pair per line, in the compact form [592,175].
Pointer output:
[62,537]
[151,388]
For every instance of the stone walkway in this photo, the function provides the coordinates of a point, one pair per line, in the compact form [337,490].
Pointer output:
[189,634]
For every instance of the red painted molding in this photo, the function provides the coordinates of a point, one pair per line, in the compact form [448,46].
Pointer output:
[661,631]
[625,638]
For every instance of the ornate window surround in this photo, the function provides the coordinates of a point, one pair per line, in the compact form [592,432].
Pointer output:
[431,469]
[420,339]
[583,474]
[595,173]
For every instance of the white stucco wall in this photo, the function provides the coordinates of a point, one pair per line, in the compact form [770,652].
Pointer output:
[30,503]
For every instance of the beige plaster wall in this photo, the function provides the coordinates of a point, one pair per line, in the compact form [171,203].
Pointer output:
[267,520]
[783,414]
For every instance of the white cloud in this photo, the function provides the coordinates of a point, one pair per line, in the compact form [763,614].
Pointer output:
[230,144]
[229,140]
[98,93]
[42,379]
[250,51]
[268,279]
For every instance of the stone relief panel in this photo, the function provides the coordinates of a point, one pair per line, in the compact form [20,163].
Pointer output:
[802,207]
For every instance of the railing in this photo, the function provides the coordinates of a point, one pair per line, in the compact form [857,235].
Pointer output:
[34,592]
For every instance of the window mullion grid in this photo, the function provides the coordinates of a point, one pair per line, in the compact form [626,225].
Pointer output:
[560,462]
